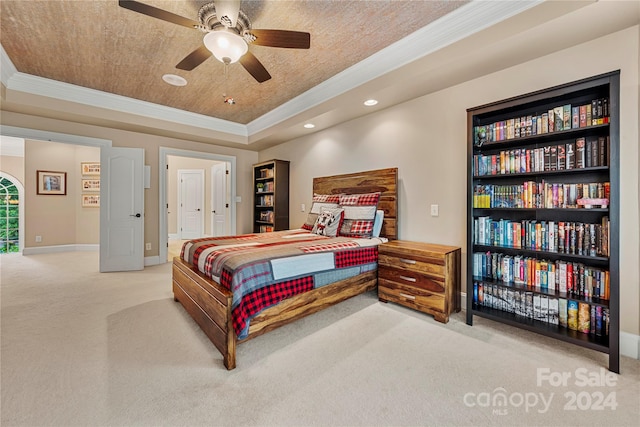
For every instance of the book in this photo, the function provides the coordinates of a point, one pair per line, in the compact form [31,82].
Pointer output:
[553,158]
[584,317]
[562,161]
[583,116]
[537,308]
[553,313]
[544,308]
[603,151]
[570,156]
[558,116]
[566,117]
[547,158]
[562,312]
[572,315]
[580,153]
[575,117]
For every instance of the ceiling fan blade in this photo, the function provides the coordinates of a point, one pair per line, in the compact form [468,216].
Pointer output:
[194,59]
[282,38]
[154,12]
[227,12]
[254,67]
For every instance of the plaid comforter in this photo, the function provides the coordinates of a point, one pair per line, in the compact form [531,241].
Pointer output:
[263,269]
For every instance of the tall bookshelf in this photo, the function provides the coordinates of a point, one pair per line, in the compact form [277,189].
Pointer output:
[271,196]
[543,213]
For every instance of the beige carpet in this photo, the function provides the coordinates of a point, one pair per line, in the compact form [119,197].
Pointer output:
[80,348]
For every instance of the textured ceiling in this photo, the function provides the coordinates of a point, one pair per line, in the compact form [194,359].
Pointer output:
[99,45]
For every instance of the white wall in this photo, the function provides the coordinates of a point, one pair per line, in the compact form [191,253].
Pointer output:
[426,139]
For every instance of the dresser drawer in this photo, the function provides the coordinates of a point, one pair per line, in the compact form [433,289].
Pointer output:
[418,299]
[410,277]
[433,267]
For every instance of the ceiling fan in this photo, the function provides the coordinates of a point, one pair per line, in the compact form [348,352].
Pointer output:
[228,34]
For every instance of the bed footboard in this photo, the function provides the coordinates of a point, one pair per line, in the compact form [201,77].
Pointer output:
[209,304]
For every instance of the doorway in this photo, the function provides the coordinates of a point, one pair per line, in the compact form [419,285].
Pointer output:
[106,152]
[220,195]
[11,214]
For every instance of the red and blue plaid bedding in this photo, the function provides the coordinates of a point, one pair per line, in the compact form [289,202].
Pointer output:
[263,269]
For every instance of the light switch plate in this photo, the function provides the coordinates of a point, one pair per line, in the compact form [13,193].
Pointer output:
[435,210]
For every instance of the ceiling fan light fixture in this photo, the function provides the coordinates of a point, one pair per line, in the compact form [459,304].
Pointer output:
[226,46]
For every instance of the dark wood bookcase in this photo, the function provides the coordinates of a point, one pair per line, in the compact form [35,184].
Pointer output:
[271,196]
[538,229]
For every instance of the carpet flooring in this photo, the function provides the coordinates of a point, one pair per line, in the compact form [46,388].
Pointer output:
[81,348]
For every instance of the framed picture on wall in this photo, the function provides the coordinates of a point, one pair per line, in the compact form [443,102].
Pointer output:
[90,200]
[90,168]
[90,185]
[51,183]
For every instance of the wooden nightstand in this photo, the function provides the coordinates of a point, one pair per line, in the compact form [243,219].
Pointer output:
[422,276]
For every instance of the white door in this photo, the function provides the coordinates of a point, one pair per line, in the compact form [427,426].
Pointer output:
[122,212]
[219,203]
[191,203]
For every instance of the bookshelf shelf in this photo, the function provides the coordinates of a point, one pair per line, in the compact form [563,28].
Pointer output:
[539,259]
[271,196]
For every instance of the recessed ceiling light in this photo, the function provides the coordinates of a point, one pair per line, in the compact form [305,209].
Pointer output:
[309,125]
[174,80]
[370,102]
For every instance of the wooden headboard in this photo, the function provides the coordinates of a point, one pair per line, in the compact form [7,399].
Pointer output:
[383,180]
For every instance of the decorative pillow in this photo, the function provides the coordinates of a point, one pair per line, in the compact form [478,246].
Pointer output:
[329,201]
[328,222]
[359,214]
[377,223]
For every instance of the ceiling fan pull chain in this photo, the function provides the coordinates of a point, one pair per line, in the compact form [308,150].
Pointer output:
[227,99]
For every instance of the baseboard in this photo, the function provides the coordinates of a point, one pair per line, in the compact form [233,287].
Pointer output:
[151,260]
[61,248]
[629,343]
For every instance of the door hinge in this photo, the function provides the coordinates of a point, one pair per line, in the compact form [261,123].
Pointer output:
[167,166]
[226,172]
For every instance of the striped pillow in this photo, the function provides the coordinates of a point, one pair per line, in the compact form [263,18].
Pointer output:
[320,201]
[359,214]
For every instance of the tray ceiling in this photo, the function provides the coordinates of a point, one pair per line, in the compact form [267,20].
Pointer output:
[99,45]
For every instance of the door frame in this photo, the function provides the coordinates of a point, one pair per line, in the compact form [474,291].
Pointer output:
[180,217]
[164,152]
[63,138]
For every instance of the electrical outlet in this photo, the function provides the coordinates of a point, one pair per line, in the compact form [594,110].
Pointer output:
[302,207]
[38,239]
[147,246]
[435,210]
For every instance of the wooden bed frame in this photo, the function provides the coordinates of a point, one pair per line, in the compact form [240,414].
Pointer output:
[209,304]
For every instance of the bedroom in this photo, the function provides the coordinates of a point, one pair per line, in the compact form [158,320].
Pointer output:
[425,138]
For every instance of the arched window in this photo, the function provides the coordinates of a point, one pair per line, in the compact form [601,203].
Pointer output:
[9,216]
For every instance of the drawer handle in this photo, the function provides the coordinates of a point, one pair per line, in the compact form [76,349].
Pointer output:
[408,261]
[408,279]
[408,296]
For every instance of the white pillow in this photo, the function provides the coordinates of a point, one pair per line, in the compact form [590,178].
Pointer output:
[377,223]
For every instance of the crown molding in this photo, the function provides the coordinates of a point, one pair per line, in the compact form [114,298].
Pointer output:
[27,83]
[463,22]
[457,25]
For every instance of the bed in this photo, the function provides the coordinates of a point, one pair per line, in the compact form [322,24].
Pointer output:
[205,294]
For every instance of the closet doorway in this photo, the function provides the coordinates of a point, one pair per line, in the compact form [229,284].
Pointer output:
[218,210]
